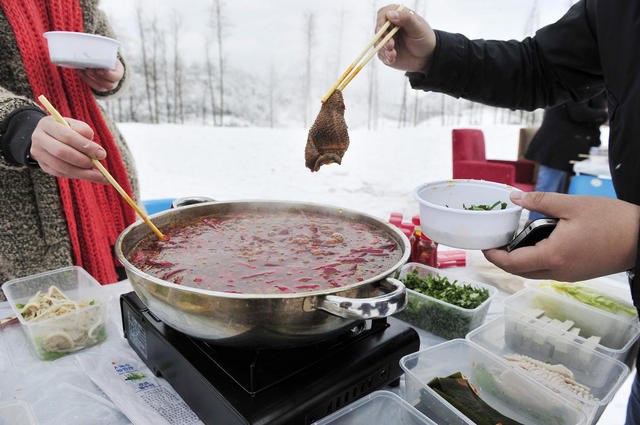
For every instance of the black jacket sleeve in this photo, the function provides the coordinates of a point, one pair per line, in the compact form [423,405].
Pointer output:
[15,135]
[560,63]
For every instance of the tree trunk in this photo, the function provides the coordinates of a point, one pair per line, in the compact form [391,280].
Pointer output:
[307,79]
[145,61]
[220,58]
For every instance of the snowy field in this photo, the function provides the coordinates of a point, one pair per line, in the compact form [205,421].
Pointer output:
[378,173]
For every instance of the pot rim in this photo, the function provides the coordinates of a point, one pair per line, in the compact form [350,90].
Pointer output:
[253,296]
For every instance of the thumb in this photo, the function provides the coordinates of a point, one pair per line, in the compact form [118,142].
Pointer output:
[411,24]
[549,203]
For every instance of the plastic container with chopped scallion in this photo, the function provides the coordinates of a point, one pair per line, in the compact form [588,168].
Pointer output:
[443,306]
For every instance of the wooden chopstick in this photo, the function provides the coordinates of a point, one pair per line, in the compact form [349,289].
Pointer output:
[103,170]
[348,75]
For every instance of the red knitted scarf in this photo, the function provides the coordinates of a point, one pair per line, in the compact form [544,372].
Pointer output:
[95,214]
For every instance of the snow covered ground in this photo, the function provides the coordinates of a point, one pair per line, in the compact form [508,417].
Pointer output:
[377,176]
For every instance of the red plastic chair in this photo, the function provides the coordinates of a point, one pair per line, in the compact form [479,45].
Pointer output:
[470,162]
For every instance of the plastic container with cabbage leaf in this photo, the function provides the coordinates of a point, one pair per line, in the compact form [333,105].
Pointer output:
[61,311]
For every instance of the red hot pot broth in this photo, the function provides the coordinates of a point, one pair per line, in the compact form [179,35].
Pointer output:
[267,252]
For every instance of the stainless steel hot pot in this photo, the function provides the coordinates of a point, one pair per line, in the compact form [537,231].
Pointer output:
[263,320]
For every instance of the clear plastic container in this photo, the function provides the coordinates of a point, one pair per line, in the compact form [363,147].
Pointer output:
[500,386]
[617,291]
[379,407]
[601,373]
[439,317]
[575,321]
[16,412]
[53,338]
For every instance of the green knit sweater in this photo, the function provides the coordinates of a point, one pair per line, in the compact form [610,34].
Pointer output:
[33,229]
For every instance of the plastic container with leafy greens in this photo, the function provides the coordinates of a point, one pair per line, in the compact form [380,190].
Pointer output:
[442,305]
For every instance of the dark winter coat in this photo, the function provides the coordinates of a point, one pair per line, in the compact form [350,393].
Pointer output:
[567,131]
[593,47]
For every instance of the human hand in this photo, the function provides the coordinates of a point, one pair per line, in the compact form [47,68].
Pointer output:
[102,80]
[595,236]
[411,49]
[67,152]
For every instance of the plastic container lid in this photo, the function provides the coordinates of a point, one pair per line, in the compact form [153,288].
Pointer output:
[379,407]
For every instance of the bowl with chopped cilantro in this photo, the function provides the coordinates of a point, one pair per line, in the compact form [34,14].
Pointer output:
[442,305]
[468,214]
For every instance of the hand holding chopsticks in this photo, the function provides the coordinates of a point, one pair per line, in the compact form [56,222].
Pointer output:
[355,67]
[103,170]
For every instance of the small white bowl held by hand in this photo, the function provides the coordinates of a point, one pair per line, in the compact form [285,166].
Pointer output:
[444,219]
[82,50]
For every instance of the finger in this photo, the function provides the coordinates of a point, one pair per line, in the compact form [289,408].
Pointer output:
[521,261]
[381,17]
[110,76]
[98,83]
[46,146]
[76,139]
[411,24]
[549,203]
[56,167]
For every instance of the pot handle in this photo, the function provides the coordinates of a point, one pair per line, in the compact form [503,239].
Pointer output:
[368,308]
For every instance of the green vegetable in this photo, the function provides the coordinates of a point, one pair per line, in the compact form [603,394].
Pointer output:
[438,318]
[457,390]
[592,297]
[20,306]
[465,296]
[92,302]
[483,207]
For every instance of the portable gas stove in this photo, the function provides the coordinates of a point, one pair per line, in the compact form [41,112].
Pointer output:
[299,385]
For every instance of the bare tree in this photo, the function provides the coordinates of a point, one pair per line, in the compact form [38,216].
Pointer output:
[165,77]
[273,81]
[402,118]
[533,20]
[211,84]
[215,25]
[178,97]
[307,78]
[145,61]
[155,78]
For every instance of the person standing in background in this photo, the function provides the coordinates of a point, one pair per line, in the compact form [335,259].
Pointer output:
[567,131]
[57,210]
[592,48]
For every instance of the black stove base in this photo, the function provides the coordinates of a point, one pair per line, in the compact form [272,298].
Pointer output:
[305,384]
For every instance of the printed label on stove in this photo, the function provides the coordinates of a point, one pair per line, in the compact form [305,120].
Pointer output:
[135,334]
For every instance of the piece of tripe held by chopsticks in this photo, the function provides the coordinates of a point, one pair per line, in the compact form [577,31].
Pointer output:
[328,138]
[54,112]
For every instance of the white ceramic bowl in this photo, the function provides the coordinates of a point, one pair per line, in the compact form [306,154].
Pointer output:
[443,218]
[81,50]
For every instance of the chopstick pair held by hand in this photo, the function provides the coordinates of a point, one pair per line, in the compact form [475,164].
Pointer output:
[103,170]
[359,63]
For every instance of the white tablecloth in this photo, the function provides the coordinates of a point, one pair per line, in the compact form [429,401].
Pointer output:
[60,391]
